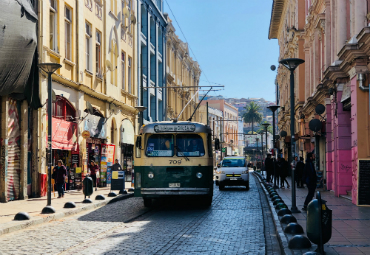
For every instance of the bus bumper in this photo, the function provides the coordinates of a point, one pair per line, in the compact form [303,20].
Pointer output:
[175,191]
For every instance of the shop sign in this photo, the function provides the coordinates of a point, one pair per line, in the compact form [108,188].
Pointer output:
[85,134]
[127,132]
[96,126]
[63,131]
[107,159]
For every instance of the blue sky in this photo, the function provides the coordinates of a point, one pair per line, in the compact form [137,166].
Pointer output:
[230,41]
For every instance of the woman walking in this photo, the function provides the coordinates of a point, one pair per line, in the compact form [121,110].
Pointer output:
[94,170]
[59,175]
[284,169]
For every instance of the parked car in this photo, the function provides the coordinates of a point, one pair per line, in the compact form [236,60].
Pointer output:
[233,172]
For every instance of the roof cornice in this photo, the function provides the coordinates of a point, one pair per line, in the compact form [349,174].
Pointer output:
[276,14]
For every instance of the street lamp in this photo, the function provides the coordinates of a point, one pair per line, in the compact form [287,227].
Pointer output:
[273,108]
[292,64]
[49,68]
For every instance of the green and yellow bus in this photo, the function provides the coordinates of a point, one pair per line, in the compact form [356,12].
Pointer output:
[174,159]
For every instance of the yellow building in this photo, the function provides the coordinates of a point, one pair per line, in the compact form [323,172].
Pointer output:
[94,41]
[183,75]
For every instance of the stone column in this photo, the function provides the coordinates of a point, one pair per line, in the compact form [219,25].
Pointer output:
[24,150]
[4,149]
[328,33]
[34,150]
[342,146]
[329,146]
[360,10]
[341,25]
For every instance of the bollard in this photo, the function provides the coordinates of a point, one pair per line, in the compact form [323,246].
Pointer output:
[112,194]
[48,210]
[277,201]
[284,211]
[22,216]
[280,206]
[100,197]
[288,218]
[293,229]
[69,205]
[275,197]
[299,242]
[319,222]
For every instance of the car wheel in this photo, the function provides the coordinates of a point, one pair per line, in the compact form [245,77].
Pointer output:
[147,202]
[247,185]
[221,186]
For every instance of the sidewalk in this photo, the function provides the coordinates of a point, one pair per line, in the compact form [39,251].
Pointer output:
[34,206]
[350,231]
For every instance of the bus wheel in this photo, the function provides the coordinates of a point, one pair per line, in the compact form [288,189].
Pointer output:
[207,201]
[147,202]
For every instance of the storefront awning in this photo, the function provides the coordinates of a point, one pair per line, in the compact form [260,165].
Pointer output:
[127,132]
[64,135]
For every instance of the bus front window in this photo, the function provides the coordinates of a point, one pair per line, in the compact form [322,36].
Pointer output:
[189,145]
[160,145]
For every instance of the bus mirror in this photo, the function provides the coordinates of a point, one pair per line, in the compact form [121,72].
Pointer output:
[217,144]
[138,142]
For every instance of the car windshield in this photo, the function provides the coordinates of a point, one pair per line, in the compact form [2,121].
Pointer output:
[189,145]
[160,145]
[233,162]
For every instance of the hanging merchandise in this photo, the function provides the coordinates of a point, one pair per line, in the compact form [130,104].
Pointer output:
[14,150]
[107,159]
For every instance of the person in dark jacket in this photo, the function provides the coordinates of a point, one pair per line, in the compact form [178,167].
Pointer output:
[284,169]
[269,167]
[94,169]
[116,166]
[299,172]
[59,175]
[309,177]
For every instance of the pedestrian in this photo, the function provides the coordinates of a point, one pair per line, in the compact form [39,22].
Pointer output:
[59,175]
[94,170]
[277,171]
[309,177]
[299,172]
[116,166]
[284,169]
[269,167]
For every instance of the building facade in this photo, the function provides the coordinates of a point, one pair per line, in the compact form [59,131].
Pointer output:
[151,53]
[331,36]
[183,75]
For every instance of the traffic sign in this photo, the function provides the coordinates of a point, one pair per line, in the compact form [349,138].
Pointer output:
[224,149]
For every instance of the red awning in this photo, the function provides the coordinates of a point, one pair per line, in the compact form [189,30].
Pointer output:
[63,131]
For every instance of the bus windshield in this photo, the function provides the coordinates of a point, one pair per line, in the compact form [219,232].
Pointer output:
[160,145]
[189,145]
[233,162]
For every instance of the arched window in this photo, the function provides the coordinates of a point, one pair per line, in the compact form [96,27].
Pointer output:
[63,109]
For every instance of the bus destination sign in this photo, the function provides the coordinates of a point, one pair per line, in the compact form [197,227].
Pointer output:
[174,128]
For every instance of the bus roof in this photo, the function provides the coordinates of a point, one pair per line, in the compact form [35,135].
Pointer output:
[176,127]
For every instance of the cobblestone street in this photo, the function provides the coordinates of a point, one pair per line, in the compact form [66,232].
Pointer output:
[234,224]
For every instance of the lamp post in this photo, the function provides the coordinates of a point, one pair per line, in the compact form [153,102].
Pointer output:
[266,125]
[49,68]
[291,64]
[273,108]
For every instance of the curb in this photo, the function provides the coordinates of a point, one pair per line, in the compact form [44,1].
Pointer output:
[12,226]
[279,231]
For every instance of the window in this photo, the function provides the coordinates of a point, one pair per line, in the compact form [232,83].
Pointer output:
[88,46]
[68,32]
[123,64]
[129,7]
[98,54]
[160,146]
[129,75]
[189,145]
[62,109]
[53,42]
[233,162]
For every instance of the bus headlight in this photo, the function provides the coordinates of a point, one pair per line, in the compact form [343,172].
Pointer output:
[151,175]
[199,175]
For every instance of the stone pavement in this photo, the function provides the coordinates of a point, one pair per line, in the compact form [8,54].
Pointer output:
[350,232]
[34,206]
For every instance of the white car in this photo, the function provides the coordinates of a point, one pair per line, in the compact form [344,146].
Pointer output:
[233,172]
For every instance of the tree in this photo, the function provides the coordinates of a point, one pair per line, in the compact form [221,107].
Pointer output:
[252,114]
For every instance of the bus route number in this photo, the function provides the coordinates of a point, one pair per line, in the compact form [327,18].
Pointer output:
[175,162]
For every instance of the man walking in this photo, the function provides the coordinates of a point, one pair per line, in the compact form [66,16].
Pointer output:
[269,167]
[309,177]
[299,172]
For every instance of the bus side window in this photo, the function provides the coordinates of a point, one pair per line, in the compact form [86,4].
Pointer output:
[138,146]
[209,145]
